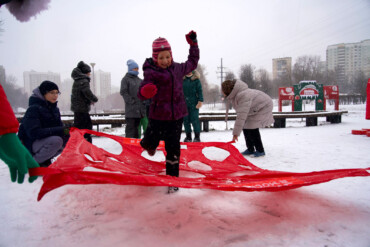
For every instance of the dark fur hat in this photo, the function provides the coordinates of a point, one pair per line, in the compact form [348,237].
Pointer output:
[84,67]
[228,86]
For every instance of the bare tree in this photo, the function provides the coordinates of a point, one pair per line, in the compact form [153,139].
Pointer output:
[1,24]
[247,75]
[203,80]
[114,101]
[306,68]
[214,94]
[16,97]
[230,76]
[358,84]
[263,81]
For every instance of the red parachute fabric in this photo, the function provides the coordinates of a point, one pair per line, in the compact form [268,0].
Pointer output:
[234,173]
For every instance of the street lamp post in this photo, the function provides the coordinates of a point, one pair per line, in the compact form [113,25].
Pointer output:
[93,77]
[93,81]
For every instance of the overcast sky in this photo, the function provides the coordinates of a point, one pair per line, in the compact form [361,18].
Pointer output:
[239,31]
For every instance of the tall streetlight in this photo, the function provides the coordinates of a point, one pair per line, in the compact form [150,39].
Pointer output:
[93,80]
[93,77]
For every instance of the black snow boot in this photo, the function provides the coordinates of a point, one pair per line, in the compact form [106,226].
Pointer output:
[188,137]
[172,169]
[172,189]
[197,137]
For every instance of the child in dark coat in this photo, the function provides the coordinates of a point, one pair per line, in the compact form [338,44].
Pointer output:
[42,130]
[163,84]
[82,98]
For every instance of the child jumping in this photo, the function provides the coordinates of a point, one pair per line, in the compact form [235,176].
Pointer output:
[163,84]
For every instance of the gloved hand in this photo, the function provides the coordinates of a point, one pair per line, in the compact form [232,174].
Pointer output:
[191,38]
[199,105]
[17,157]
[66,128]
[149,90]
[66,131]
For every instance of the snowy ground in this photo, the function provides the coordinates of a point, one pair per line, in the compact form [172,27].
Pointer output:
[336,213]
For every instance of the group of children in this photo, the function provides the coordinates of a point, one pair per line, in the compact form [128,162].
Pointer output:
[162,85]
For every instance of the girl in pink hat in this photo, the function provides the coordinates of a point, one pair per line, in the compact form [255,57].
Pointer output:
[163,84]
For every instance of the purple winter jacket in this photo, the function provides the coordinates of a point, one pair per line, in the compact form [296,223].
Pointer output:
[169,102]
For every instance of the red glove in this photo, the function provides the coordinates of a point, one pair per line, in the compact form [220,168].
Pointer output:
[149,90]
[191,38]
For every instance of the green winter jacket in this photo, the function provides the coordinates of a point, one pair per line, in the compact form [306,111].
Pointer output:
[192,90]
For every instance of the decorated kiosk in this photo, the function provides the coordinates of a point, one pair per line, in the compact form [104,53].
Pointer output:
[309,90]
[313,91]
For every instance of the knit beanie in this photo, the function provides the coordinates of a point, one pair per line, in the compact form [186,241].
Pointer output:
[160,44]
[47,86]
[131,64]
[228,86]
[84,67]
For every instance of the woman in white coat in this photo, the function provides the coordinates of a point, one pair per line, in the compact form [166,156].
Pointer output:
[253,111]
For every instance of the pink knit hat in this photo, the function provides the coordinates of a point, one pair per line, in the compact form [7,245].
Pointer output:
[160,44]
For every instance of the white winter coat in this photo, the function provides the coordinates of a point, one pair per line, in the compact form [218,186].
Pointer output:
[253,108]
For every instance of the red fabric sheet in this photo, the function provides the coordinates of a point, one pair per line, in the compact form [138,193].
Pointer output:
[235,173]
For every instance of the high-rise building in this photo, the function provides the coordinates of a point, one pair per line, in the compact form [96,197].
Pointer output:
[348,58]
[2,74]
[281,67]
[64,100]
[33,79]
[102,83]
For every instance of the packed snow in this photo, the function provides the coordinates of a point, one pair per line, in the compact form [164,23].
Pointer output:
[336,213]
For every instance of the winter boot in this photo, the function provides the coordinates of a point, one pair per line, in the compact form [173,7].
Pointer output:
[188,137]
[46,163]
[151,152]
[197,137]
[259,154]
[172,189]
[172,169]
[247,152]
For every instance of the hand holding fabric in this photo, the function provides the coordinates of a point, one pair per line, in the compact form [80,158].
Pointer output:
[191,38]
[66,131]
[149,90]
[17,157]
[199,105]
[66,128]
[235,138]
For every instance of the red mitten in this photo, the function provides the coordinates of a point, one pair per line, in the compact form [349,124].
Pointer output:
[149,90]
[191,38]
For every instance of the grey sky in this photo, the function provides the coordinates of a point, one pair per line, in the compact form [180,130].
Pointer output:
[239,31]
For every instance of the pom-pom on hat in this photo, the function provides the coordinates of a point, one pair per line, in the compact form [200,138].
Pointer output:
[47,86]
[160,44]
[131,64]
[85,68]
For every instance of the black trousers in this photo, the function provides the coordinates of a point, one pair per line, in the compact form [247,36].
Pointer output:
[170,133]
[132,127]
[82,120]
[253,140]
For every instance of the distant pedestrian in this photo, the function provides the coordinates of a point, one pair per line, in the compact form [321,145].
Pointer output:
[134,107]
[194,100]
[253,111]
[82,98]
